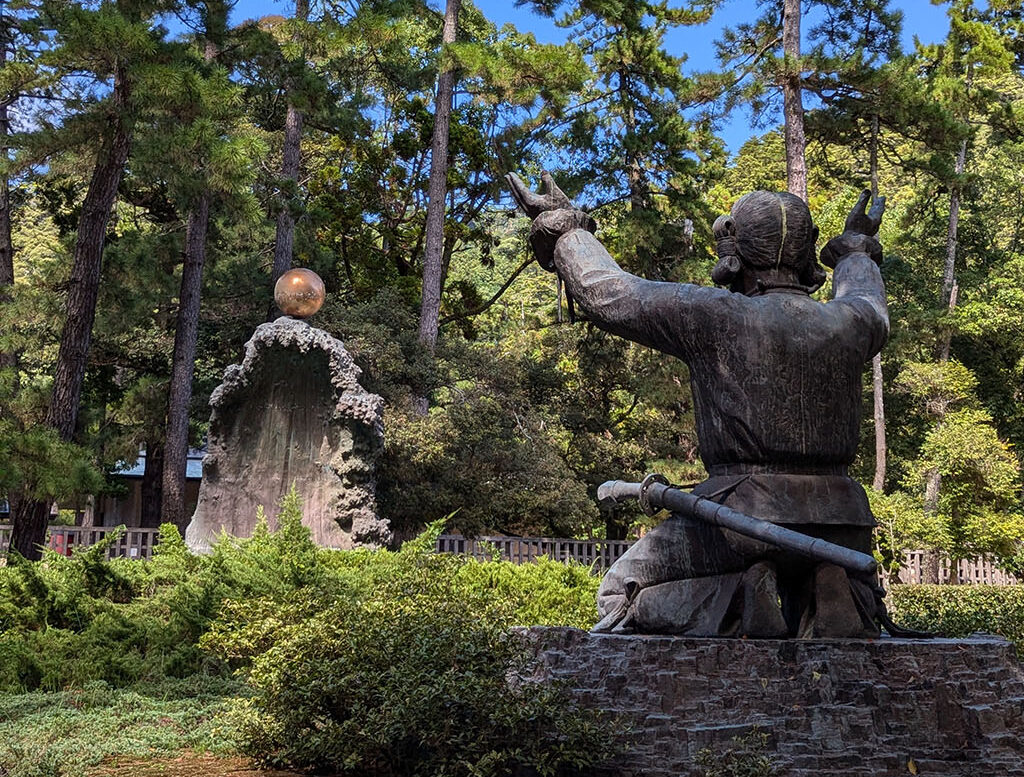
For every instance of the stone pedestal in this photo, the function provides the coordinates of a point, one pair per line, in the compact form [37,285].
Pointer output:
[292,412]
[855,708]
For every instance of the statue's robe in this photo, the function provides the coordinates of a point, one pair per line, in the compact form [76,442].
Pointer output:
[776,381]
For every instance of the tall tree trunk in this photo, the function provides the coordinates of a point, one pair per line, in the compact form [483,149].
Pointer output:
[933,482]
[430,306]
[792,101]
[152,484]
[6,249]
[878,482]
[29,519]
[949,272]
[186,333]
[83,288]
[930,566]
[876,363]
[284,240]
[179,395]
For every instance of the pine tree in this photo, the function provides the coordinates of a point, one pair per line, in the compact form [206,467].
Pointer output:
[292,149]
[631,150]
[973,54]
[214,16]
[853,44]
[433,249]
[117,42]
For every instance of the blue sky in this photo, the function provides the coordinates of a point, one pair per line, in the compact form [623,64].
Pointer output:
[921,19]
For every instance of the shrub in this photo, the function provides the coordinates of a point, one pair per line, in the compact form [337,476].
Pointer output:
[68,621]
[959,610]
[543,593]
[382,662]
[409,676]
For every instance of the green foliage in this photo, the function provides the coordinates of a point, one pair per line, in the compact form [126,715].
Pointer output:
[37,463]
[63,733]
[543,593]
[977,510]
[408,675]
[69,621]
[369,662]
[961,610]
[903,525]
[527,415]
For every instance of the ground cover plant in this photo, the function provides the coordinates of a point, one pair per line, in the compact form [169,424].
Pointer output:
[53,733]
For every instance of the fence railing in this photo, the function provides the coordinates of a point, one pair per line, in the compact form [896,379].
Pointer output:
[519,550]
[975,571]
[604,553]
[133,543]
[139,543]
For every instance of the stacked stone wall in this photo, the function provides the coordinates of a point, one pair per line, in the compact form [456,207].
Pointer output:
[831,707]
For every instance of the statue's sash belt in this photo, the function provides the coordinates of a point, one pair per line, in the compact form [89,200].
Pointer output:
[725,470]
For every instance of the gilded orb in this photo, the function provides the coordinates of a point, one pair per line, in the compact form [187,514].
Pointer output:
[299,293]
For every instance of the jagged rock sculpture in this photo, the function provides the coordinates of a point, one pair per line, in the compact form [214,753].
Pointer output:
[292,412]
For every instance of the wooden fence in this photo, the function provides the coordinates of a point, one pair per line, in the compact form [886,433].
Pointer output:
[133,543]
[601,554]
[971,571]
[604,553]
[519,550]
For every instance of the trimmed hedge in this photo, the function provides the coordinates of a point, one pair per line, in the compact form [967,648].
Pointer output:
[960,610]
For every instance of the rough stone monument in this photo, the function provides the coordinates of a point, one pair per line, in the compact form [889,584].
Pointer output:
[293,412]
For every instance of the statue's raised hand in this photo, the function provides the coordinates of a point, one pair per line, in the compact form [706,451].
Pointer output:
[861,228]
[534,204]
[553,215]
[863,221]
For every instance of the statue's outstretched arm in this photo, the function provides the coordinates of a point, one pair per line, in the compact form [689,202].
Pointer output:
[651,313]
[648,312]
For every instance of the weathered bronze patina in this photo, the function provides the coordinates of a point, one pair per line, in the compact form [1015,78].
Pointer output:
[776,381]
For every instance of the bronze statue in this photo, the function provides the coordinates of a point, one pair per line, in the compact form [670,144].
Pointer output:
[776,381]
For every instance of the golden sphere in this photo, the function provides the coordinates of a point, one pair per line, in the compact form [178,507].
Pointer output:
[299,293]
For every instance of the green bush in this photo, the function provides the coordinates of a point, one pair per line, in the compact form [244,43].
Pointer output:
[960,610]
[69,621]
[543,593]
[409,676]
[381,662]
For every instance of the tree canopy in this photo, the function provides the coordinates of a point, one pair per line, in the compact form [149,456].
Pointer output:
[142,132]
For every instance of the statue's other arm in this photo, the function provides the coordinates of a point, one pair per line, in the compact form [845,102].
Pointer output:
[857,285]
[651,313]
